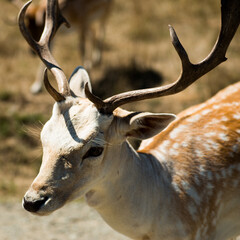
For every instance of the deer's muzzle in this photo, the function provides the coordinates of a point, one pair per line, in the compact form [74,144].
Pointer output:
[34,205]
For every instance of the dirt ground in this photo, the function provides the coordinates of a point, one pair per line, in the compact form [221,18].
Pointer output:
[75,221]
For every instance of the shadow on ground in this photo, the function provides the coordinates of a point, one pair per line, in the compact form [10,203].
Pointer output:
[124,78]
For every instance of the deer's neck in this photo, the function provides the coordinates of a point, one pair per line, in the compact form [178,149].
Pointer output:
[136,196]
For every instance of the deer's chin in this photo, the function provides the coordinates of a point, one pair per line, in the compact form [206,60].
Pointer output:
[46,210]
[42,214]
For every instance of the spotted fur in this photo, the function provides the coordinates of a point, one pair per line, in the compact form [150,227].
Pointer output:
[202,150]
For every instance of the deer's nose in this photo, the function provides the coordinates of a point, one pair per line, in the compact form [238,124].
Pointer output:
[34,205]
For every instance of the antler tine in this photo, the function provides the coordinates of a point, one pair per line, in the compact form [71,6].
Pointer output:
[52,22]
[190,72]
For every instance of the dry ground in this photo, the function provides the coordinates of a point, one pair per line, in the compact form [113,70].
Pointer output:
[73,222]
[137,53]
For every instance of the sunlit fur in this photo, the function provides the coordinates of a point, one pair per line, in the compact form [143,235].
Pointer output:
[182,184]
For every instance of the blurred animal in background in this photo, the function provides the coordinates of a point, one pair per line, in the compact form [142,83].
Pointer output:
[87,16]
[183,182]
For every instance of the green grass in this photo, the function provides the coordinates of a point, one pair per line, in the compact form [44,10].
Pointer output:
[6,96]
[15,125]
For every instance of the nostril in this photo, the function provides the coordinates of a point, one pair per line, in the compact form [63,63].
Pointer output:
[34,205]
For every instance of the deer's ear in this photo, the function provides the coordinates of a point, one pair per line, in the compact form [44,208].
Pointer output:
[146,125]
[77,82]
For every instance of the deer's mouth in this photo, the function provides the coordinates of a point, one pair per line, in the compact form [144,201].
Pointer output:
[34,205]
[38,206]
[41,205]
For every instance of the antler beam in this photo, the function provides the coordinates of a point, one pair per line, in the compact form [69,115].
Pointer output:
[190,72]
[52,22]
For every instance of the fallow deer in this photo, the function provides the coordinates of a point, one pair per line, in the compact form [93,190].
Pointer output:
[183,183]
[87,16]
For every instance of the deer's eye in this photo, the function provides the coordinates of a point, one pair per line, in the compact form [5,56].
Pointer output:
[93,152]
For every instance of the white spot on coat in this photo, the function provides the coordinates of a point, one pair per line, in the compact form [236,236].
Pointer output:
[214,121]
[191,192]
[210,134]
[176,187]
[184,144]
[176,131]
[194,118]
[65,177]
[206,111]
[202,170]
[224,119]
[175,145]
[165,146]
[238,131]
[196,179]
[236,116]
[213,144]
[199,153]
[207,146]
[173,152]
[223,137]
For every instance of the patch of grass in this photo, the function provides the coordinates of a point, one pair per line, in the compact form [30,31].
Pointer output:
[14,125]
[17,156]
[29,118]
[5,127]
[6,96]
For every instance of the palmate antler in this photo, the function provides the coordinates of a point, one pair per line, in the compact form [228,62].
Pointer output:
[52,22]
[230,19]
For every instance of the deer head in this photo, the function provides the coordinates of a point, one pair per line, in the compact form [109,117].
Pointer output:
[85,139]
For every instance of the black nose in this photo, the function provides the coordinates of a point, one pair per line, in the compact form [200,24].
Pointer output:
[33,205]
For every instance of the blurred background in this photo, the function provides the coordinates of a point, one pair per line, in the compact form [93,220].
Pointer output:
[137,53]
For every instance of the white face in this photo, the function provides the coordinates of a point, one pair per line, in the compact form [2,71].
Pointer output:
[73,148]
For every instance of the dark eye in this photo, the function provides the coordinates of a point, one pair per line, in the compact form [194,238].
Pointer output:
[93,152]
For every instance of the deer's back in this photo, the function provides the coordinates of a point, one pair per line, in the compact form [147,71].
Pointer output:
[202,150]
[206,132]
